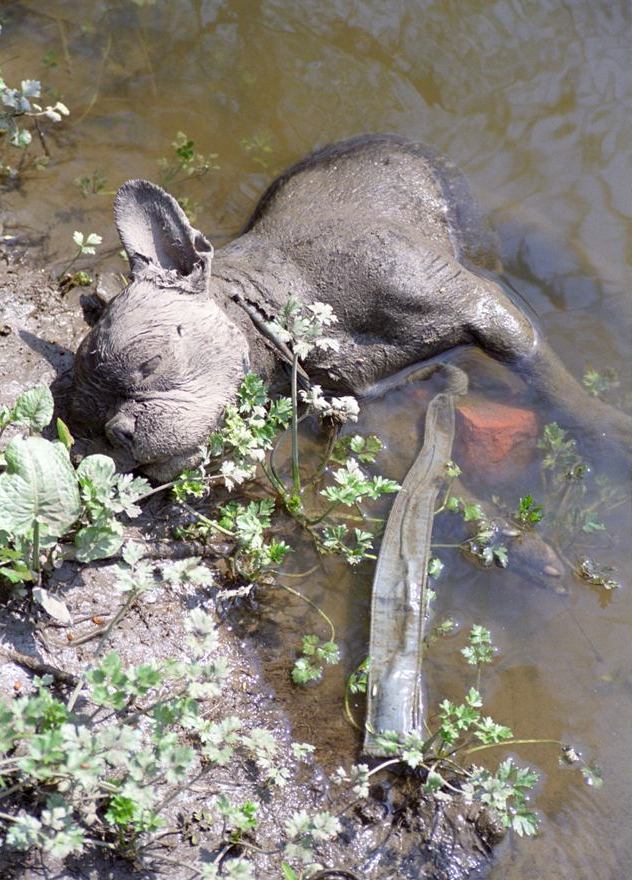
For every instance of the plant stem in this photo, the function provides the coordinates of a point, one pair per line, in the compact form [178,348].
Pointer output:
[69,265]
[314,522]
[348,712]
[448,492]
[314,606]
[384,765]
[296,476]
[298,574]
[207,521]
[273,478]
[333,436]
[514,742]
[35,562]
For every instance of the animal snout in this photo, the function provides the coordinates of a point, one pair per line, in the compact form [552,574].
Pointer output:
[120,431]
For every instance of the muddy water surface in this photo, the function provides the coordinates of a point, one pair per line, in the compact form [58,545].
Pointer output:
[533,100]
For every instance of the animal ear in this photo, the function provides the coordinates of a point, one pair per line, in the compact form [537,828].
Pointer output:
[157,234]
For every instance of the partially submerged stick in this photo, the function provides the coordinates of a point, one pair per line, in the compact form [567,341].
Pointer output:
[399,602]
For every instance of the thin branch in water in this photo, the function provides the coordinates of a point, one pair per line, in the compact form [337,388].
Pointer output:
[64,43]
[312,605]
[95,96]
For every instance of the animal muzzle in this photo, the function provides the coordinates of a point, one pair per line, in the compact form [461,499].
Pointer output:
[120,432]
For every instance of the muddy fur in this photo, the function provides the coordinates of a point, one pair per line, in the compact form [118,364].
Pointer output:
[379,228]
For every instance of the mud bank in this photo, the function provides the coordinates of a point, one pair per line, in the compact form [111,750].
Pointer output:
[395,833]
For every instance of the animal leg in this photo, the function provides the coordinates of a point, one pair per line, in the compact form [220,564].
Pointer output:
[504,332]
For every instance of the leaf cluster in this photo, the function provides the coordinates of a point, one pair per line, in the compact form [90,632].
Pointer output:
[19,103]
[304,329]
[186,162]
[505,792]
[44,500]
[485,544]
[529,513]
[248,524]
[479,649]
[598,383]
[315,655]
[335,539]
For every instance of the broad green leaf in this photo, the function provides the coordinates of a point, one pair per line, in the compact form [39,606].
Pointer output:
[97,469]
[18,573]
[99,542]
[34,408]
[38,484]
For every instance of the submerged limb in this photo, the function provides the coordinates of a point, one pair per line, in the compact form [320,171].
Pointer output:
[505,333]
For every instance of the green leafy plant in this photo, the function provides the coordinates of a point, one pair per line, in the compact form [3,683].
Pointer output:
[44,500]
[21,116]
[358,680]
[580,498]
[460,731]
[248,442]
[247,524]
[600,383]
[315,655]
[505,792]
[485,544]
[186,163]
[105,776]
[259,146]
[529,513]
[86,244]
[92,184]
[479,649]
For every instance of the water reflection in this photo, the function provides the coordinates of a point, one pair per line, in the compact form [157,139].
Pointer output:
[533,99]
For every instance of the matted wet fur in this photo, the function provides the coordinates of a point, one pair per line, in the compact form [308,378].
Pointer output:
[381,229]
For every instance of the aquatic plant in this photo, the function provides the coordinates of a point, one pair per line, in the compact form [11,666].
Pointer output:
[20,119]
[86,245]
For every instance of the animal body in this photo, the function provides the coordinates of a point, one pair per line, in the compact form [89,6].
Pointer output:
[379,228]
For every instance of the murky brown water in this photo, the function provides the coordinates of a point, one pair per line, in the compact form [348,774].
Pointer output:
[533,99]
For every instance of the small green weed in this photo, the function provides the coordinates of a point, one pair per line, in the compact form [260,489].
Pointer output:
[186,163]
[260,147]
[529,513]
[598,383]
[315,654]
[92,184]
[86,245]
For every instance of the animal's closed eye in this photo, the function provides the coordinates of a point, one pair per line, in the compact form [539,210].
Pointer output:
[150,366]
[180,330]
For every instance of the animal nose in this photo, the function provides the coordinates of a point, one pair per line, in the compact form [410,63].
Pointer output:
[120,431]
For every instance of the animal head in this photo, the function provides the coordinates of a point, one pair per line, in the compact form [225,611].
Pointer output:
[157,370]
